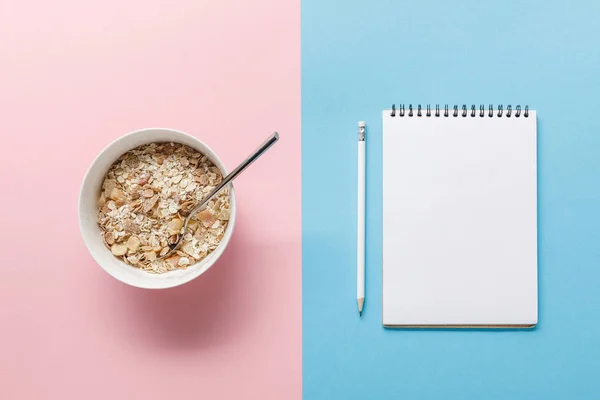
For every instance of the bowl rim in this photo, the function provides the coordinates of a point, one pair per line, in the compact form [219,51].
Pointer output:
[222,245]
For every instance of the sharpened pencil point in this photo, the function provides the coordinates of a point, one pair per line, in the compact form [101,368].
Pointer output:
[361,303]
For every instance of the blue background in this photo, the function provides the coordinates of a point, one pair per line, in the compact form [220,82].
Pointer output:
[359,57]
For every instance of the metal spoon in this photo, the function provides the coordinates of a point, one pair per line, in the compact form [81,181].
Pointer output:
[230,177]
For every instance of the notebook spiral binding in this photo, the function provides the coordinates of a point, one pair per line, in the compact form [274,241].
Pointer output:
[401,111]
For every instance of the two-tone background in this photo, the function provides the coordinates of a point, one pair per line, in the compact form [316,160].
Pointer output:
[276,317]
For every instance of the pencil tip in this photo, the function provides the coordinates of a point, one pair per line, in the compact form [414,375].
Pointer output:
[361,303]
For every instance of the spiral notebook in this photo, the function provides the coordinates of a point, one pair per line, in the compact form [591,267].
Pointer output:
[459,217]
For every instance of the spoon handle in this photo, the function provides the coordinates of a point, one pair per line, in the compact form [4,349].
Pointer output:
[238,170]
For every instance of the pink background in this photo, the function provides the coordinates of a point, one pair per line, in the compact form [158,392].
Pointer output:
[74,76]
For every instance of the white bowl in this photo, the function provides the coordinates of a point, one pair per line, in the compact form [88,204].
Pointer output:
[88,211]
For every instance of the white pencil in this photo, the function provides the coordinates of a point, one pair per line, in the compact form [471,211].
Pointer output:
[360,245]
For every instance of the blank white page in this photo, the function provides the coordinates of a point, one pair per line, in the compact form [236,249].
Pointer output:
[459,220]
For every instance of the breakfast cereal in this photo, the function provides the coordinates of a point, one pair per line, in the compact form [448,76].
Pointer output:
[146,196]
